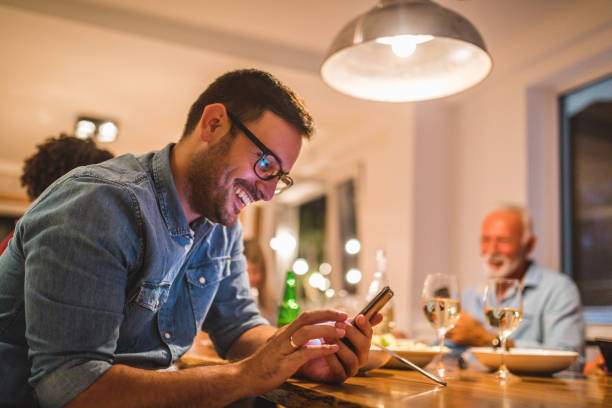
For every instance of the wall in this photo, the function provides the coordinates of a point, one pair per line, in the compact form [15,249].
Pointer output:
[506,133]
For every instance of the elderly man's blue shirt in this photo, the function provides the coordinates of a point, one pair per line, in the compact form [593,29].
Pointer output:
[104,269]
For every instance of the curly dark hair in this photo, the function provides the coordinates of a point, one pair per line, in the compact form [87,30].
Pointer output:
[56,157]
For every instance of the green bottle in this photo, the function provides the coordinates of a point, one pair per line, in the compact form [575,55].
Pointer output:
[289,309]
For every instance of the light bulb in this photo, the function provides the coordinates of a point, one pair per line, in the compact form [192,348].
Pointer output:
[403,49]
[404,45]
[107,132]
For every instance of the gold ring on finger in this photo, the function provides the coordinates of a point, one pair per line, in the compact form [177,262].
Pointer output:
[295,346]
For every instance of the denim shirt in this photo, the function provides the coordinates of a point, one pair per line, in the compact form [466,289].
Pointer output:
[104,269]
[552,312]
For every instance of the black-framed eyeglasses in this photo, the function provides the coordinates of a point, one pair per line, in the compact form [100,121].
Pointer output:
[268,165]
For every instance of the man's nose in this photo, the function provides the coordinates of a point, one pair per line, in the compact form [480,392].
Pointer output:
[490,247]
[267,188]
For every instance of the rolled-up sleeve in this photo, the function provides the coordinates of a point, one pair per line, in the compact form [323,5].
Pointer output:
[234,310]
[68,380]
[79,243]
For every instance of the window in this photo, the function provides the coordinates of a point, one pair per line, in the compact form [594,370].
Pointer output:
[347,219]
[586,191]
[312,231]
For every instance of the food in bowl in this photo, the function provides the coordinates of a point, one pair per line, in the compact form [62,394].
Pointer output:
[417,352]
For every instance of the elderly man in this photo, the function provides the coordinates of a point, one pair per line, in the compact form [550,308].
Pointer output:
[552,312]
[116,266]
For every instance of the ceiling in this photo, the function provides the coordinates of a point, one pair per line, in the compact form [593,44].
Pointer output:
[144,62]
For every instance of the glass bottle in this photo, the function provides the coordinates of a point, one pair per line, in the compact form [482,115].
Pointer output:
[379,281]
[289,309]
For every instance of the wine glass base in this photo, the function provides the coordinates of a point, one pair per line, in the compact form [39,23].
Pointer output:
[505,377]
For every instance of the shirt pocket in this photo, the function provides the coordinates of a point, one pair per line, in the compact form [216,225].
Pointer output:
[141,310]
[203,282]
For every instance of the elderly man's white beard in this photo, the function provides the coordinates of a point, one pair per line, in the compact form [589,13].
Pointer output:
[506,268]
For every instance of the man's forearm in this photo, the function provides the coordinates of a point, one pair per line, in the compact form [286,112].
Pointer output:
[249,341]
[122,386]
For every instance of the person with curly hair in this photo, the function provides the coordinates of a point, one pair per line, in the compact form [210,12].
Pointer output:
[55,157]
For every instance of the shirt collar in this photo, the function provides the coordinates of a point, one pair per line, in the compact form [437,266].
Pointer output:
[533,276]
[167,196]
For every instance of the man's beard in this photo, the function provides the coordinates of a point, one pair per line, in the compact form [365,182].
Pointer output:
[507,266]
[208,191]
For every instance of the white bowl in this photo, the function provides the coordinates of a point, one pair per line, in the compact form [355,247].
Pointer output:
[419,356]
[376,359]
[526,361]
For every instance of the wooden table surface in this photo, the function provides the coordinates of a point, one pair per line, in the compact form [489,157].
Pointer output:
[406,388]
[403,388]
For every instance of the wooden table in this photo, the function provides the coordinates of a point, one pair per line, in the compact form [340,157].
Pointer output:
[404,388]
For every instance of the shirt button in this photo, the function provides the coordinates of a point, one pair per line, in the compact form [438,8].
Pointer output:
[167,335]
[202,280]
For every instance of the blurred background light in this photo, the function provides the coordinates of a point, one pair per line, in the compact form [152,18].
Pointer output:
[300,266]
[325,268]
[317,280]
[283,243]
[353,276]
[352,246]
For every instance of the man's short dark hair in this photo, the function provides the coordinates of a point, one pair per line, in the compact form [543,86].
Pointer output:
[56,157]
[248,93]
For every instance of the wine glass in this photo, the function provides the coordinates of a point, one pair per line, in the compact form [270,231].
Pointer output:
[503,307]
[441,306]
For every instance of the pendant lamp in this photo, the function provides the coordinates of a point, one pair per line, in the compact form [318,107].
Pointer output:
[406,50]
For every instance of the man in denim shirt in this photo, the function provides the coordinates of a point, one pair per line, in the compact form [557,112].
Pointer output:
[116,266]
[552,311]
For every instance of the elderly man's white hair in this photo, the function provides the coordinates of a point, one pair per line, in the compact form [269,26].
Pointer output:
[525,218]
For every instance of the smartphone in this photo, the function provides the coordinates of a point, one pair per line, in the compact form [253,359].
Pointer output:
[377,303]
[370,310]
[605,345]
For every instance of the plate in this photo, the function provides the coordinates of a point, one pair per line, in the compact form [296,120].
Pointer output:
[376,359]
[527,361]
[419,356]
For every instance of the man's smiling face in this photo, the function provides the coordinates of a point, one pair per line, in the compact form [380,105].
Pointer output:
[221,180]
[501,243]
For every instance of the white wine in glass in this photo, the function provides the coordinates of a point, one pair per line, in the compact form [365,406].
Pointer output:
[503,307]
[442,307]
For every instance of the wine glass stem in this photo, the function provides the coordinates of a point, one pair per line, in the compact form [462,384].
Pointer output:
[440,362]
[502,367]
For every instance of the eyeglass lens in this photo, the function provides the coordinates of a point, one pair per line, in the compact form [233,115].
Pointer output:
[267,166]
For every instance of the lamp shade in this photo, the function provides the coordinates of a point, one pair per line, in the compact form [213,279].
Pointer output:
[406,50]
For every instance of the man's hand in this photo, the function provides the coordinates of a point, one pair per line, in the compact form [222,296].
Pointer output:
[347,361]
[470,332]
[596,366]
[287,350]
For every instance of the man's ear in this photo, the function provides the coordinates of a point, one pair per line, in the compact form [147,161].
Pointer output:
[530,244]
[214,123]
